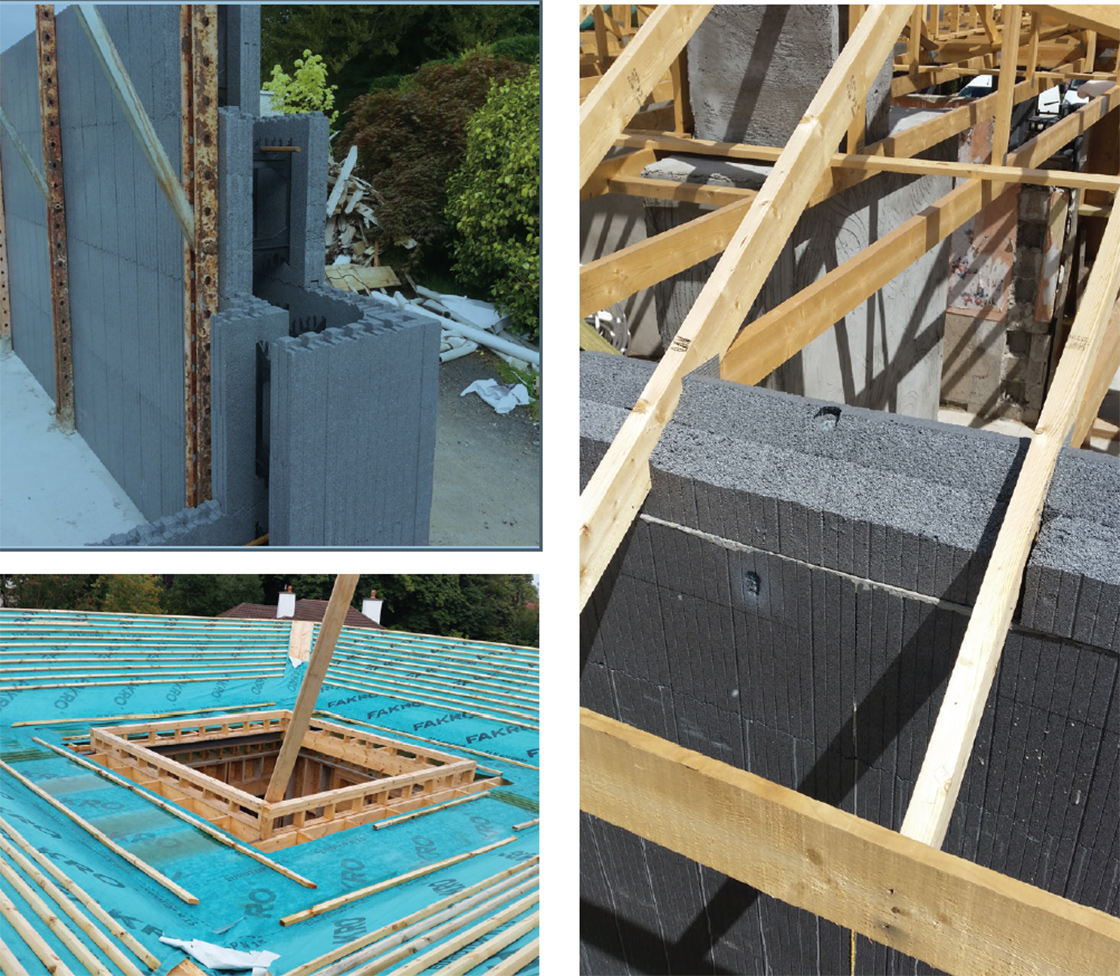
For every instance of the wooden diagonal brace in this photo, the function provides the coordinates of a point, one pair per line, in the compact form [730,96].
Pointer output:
[615,492]
[938,783]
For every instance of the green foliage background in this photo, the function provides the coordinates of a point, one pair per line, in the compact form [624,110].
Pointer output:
[487,607]
[494,199]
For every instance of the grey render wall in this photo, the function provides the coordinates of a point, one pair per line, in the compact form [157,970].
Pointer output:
[753,71]
[25,213]
[790,601]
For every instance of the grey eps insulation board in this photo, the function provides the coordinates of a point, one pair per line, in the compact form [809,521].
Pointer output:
[790,601]
[25,215]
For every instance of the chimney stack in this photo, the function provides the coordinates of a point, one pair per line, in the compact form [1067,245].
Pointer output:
[286,604]
[371,607]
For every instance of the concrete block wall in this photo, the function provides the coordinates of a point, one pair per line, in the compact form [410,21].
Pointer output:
[239,57]
[753,71]
[790,601]
[352,432]
[25,214]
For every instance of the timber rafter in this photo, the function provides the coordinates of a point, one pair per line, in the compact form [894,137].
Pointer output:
[687,802]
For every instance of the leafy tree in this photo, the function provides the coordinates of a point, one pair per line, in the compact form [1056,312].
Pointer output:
[199,595]
[359,42]
[494,199]
[409,138]
[51,592]
[130,594]
[308,91]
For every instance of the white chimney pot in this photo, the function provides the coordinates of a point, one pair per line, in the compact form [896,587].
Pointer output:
[371,608]
[286,605]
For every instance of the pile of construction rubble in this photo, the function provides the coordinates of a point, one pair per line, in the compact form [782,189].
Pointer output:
[352,259]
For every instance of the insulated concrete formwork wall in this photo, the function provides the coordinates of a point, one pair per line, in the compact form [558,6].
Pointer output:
[790,601]
[126,255]
[352,432]
[25,215]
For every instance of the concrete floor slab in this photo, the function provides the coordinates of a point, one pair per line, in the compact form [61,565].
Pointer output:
[55,491]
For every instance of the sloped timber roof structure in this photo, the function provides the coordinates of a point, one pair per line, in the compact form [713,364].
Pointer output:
[407,841]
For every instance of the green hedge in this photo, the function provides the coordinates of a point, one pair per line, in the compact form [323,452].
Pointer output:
[494,199]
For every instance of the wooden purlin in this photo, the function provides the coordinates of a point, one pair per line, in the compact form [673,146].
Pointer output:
[616,490]
[198,26]
[56,216]
[938,783]
[949,912]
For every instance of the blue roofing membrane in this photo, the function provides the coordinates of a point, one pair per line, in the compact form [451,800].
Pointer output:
[473,699]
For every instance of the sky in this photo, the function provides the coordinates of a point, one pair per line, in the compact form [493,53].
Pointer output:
[17,20]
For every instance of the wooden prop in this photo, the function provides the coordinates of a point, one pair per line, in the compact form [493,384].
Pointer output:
[80,895]
[90,829]
[938,782]
[182,815]
[59,928]
[47,956]
[941,909]
[615,492]
[329,630]
[406,927]
[325,906]
[95,935]
[623,89]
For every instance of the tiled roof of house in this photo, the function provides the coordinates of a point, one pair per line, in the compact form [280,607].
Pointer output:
[305,610]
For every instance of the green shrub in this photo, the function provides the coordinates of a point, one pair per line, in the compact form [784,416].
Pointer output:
[525,48]
[409,138]
[494,199]
[308,91]
[385,81]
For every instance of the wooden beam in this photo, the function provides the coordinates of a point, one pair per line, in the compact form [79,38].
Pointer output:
[333,619]
[619,484]
[150,145]
[616,276]
[941,909]
[612,497]
[108,842]
[857,131]
[935,790]
[1102,18]
[625,85]
[1104,369]
[772,338]
[56,216]
[1001,135]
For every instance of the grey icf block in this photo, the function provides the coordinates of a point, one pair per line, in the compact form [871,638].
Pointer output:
[235,204]
[326,387]
[239,71]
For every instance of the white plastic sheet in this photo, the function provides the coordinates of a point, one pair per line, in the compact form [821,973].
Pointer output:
[502,398]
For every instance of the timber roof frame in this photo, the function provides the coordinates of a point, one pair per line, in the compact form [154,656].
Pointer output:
[802,851]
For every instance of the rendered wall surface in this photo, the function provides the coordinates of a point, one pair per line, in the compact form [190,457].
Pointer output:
[790,601]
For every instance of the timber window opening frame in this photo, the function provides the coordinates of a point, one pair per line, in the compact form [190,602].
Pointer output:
[1005,925]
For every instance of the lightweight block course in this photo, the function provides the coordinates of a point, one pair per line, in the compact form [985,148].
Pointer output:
[790,600]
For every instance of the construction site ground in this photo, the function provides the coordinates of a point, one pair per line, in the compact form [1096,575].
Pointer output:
[57,494]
